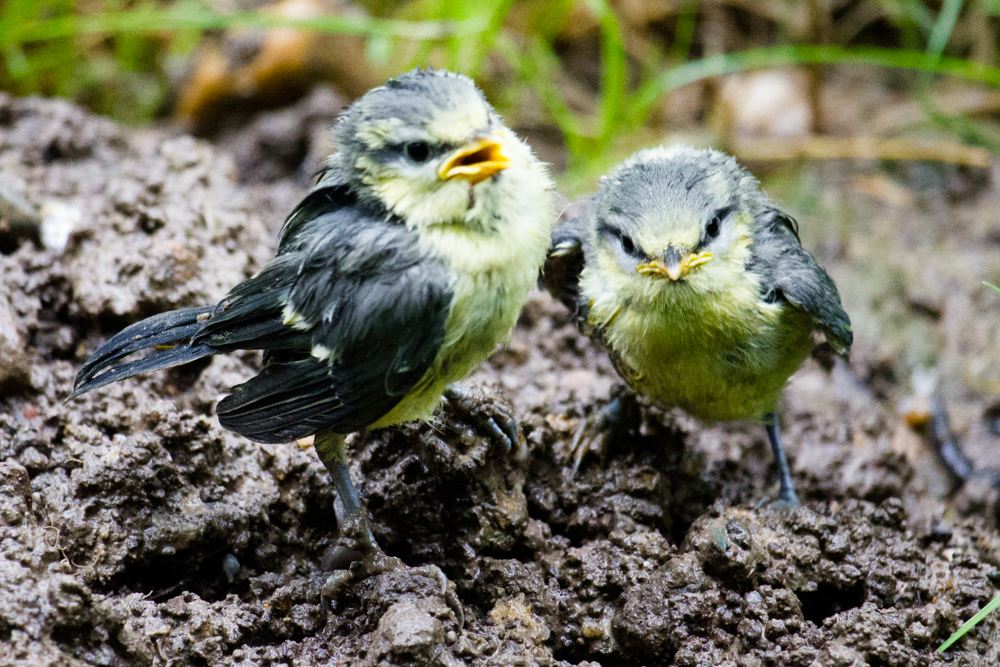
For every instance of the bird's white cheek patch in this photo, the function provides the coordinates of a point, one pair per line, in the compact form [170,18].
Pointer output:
[611,268]
[420,199]
[607,286]
[446,201]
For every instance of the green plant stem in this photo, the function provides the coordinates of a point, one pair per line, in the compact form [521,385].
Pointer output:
[975,620]
[687,19]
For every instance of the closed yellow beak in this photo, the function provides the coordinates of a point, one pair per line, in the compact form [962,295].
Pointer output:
[475,162]
[674,265]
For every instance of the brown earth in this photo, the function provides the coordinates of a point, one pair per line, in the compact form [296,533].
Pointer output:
[135,531]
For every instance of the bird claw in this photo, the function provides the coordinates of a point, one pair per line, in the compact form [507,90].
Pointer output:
[590,437]
[492,415]
[447,591]
[363,556]
[339,582]
[372,563]
[785,506]
[596,432]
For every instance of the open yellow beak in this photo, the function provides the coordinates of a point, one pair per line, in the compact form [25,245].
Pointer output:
[673,265]
[475,162]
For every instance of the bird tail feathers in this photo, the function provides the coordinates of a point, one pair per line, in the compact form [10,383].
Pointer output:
[168,334]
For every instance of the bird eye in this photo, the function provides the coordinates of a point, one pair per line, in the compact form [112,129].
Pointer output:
[712,230]
[610,232]
[714,225]
[627,244]
[417,151]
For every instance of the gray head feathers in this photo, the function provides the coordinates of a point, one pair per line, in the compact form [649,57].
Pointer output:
[410,107]
[663,188]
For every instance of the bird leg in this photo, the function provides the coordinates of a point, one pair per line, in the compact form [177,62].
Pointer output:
[786,493]
[497,419]
[357,544]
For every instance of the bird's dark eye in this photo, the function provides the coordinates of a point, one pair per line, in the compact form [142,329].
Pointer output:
[627,244]
[714,225]
[417,151]
[712,230]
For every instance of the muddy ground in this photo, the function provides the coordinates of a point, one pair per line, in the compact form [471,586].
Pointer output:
[135,531]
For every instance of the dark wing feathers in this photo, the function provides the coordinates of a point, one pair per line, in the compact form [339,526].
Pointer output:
[250,316]
[388,295]
[286,401]
[358,286]
[370,296]
[330,192]
[788,272]
[561,272]
[167,358]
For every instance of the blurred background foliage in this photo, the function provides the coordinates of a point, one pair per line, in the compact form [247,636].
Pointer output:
[598,77]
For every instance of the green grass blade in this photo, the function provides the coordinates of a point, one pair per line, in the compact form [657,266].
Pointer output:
[687,21]
[944,27]
[538,68]
[966,129]
[614,75]
[912,11]
[978,618]
[731,63]
[994,287]
[185,16]
[493,14]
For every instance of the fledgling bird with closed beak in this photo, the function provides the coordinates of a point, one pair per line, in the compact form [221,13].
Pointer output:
[400,271]
[698,287]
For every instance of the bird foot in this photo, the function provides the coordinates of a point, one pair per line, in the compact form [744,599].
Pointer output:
[786,502]
[785,505]
[591,437]
[486,411]
[361,568]
[361,554]
[447,591]
[597,431]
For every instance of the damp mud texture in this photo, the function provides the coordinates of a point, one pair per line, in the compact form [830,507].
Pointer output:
[135,531]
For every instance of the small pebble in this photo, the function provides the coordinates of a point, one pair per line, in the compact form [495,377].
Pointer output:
[231,567]
[59,220]
[176,606]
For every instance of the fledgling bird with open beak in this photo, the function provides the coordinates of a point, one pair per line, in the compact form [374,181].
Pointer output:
[698,287]
[403,268]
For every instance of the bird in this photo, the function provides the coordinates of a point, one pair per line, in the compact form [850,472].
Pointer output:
[698,287]
[405,265]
